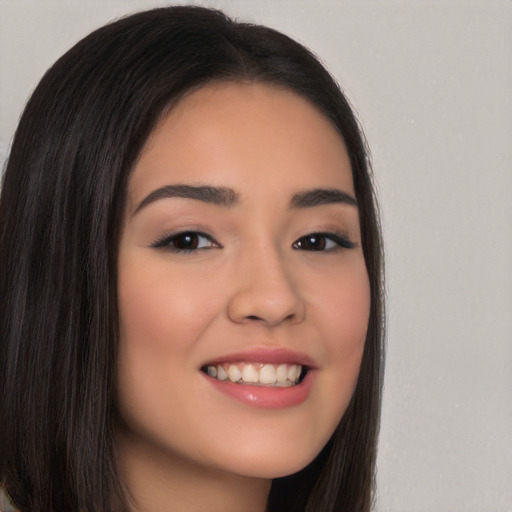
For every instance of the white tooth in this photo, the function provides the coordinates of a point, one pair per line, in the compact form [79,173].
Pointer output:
[221,373]
[234,373]
[292,372]
[249,373]
[299,371]
[281,373]
[212,371]
[268,374]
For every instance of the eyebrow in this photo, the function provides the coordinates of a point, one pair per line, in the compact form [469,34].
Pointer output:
[321,196]
[227,197]
[221,196]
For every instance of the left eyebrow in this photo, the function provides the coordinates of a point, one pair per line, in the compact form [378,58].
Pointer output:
[221,196]
[321,196]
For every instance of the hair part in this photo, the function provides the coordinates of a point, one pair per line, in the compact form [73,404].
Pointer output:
[61,208]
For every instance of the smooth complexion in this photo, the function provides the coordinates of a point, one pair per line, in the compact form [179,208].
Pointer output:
[240,244]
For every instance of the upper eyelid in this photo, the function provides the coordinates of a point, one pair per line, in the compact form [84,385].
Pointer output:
[162,240]
[332,233]
[337,237]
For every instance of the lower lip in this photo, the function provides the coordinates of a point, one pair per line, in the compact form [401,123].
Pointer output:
[266,397]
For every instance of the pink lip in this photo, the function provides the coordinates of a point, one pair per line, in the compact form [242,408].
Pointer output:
[266,355]
[266,397]
[262,396]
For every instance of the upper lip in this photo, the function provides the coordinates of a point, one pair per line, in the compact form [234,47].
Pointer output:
[265,355]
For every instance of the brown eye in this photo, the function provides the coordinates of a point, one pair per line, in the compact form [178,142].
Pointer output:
[186,241]
[322,242]
[314,242]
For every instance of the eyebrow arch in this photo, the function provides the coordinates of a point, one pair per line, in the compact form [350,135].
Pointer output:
[321,196]
[221,196]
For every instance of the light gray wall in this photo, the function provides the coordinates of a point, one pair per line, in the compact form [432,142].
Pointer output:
[432,82]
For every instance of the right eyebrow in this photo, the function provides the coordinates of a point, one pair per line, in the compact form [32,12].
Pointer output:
[221,196]
[321,196]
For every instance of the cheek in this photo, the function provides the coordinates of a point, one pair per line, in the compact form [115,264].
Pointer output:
[161,318]
[349,321]
[159,311]
[345,309]
[342,303]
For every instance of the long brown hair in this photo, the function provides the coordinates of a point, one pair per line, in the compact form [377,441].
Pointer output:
[60,210]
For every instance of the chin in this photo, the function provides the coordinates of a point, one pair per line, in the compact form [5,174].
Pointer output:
[273,460]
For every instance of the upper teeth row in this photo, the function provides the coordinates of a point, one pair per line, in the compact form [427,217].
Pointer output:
[266,374]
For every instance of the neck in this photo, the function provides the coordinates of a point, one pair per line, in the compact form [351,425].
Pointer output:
[167,482]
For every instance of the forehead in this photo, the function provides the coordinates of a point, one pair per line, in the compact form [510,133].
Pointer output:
[245,135]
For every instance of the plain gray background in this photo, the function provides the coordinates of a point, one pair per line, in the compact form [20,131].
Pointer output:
[432,82]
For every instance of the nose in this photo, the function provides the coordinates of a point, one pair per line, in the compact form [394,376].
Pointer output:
[265,291]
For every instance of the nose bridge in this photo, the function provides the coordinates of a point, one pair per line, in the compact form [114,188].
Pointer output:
[266,288]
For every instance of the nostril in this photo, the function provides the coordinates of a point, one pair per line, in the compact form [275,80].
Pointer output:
[260,306]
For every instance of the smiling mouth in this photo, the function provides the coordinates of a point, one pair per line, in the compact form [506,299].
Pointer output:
[257,374]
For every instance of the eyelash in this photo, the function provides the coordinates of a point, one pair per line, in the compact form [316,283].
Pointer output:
[192,238]
[341,242]
[168,242]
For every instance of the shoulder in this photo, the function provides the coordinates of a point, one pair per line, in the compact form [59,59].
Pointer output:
[5,502]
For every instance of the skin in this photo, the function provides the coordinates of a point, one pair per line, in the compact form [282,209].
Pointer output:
[248,286]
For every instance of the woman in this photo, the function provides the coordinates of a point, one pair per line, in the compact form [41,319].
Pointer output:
[191,278]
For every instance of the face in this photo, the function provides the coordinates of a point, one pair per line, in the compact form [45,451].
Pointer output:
[243,293]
